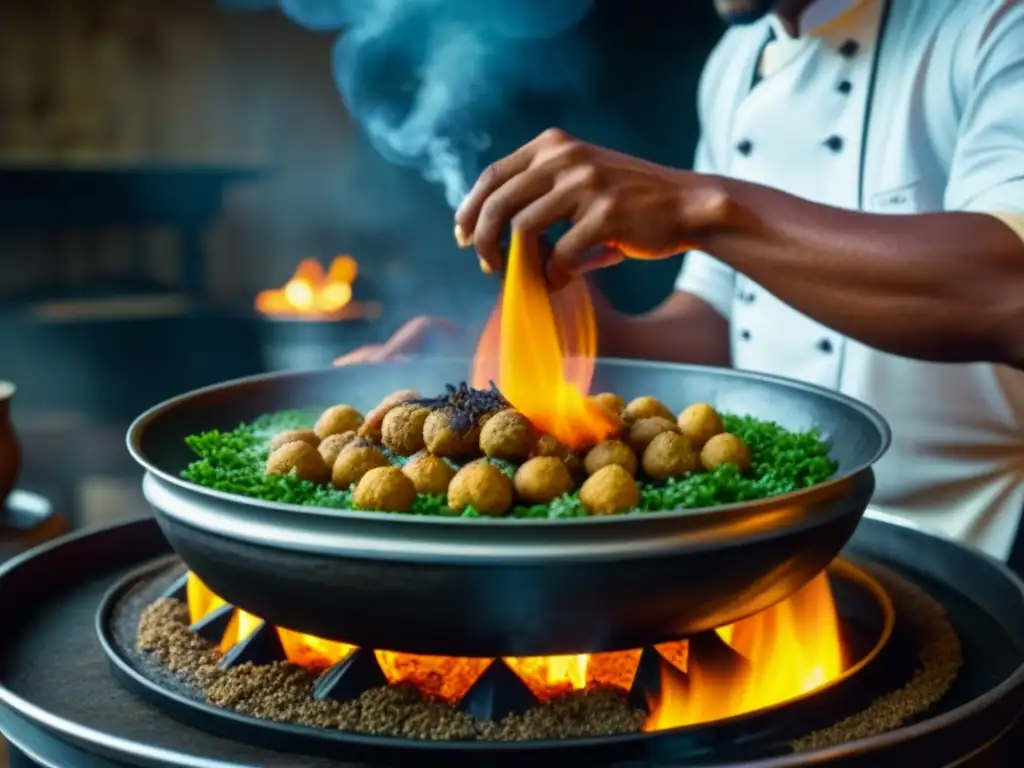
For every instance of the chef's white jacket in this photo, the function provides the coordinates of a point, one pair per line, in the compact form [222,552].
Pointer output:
[893,107]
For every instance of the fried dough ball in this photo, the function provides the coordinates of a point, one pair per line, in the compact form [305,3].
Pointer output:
[508,435]
[609,402]
[429,474]
[610,452]
[482,486]
[725,448]
[646,429]
[542,479]
[332,446]
[385,489]
[644,408]
[337,419]
[670,455]
[443,438]
[609,491]
[548,445]
[355,460]
[293,435]
[402,430]
[700,422]
[303,458]
[371,428]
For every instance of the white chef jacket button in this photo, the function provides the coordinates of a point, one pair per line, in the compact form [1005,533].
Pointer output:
[844,87]
[745,147]
[824,345]
[849,48]
[835,143]
[745,334]
[745,297]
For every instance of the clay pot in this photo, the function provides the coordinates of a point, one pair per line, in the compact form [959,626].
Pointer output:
[10,449]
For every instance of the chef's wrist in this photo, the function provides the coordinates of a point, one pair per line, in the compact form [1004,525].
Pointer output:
[710,205]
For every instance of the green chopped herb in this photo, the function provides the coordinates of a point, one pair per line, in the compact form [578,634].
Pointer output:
[782,461]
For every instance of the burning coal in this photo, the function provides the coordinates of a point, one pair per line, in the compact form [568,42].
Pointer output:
[422,76]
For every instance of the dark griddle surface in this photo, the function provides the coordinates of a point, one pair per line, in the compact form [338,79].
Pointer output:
[53,664]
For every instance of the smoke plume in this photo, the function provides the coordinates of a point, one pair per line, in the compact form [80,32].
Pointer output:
[423,77]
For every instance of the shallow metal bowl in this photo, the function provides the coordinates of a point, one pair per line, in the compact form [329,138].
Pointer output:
[494,587]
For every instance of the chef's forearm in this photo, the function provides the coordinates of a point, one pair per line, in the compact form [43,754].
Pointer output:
[682,329]
[947,287]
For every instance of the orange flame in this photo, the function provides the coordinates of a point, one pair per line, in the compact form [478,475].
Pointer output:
[777,655]
[310,292]
[543,350]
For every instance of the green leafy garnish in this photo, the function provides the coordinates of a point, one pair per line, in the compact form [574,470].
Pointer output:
[782,462]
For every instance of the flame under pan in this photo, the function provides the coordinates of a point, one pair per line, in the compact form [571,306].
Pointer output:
[479,587]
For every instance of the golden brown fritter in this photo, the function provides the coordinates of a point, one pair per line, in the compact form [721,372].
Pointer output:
[337,419]
[482,486]
[725,448]
[645,407]
[542,479]
[444,435]
[402,430]
[508,435]
[645,430]
[609,402]
[355,460]
[384,489]
[548,445]
[294,435]
[610,452]
[332,446]
[371,428]
[429,473]
[303,458]
[700,422]
[670,455]
[609,491]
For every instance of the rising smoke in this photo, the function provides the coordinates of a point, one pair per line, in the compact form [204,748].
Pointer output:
[423,76]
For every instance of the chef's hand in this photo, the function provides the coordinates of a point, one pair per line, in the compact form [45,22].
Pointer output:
[410,339]
[631,207]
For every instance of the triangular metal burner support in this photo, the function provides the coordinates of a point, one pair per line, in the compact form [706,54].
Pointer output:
[263,646]
[497,693]
[354,675]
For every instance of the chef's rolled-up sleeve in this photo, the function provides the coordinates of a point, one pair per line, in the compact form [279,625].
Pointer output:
[987,171]
[702,275]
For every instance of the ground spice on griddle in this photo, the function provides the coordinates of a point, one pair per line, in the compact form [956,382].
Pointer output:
[283,692]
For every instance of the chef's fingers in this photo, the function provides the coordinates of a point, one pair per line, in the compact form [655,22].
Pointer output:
[412,335]
[493,177]
[367,354]
[580,249]
[502,207]
[496,174]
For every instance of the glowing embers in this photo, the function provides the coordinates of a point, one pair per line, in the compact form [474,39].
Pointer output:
[779,655]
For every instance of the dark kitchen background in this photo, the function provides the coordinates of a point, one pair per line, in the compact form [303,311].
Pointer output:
[162,163]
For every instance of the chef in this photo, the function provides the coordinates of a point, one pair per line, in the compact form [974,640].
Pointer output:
[854,219]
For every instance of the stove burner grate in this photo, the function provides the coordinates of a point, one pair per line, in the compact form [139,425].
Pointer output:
[888,659]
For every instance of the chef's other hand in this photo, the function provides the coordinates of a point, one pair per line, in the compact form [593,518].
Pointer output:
[411,338]
[632,207]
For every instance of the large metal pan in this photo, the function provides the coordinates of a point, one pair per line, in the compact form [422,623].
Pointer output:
[486,587]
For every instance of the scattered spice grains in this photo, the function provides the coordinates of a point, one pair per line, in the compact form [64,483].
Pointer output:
[940,660]
[284,692]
